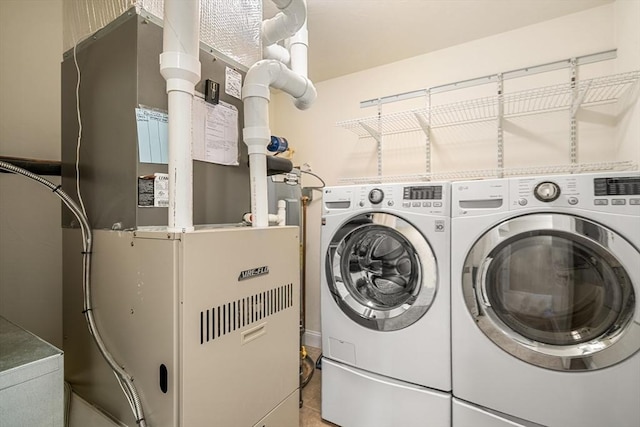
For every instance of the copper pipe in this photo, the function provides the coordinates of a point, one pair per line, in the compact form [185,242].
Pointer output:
[303,266]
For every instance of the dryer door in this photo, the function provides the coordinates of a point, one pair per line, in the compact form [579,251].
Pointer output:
[381,271]
[556,291]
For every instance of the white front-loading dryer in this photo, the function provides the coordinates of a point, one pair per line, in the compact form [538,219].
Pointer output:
[545,286]
[465,414]
[385,305]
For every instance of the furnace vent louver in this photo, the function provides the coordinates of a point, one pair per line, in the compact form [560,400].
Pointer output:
[226,318]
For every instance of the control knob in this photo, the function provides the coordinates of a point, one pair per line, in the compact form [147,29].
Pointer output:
[547,191]
[376,196]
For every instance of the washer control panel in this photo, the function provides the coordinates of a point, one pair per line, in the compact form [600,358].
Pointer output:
[427,198]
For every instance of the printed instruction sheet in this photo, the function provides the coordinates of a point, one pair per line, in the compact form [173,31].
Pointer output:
[215,132]
[153,137]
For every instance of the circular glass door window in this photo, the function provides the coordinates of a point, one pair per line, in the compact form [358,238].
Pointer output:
[555,290]
[549,289]
[381,271]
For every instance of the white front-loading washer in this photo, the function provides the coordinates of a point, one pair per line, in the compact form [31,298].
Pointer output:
[385,305]
[545,286]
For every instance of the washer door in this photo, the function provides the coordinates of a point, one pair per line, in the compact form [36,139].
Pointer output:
[551,290]
[381,271]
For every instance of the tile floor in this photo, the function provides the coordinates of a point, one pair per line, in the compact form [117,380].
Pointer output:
[311,397]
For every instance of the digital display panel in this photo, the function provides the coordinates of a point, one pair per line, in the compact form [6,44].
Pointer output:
[426,192]
[616,186]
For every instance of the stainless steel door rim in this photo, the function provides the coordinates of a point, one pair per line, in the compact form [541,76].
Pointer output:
[381,271]
[550,289]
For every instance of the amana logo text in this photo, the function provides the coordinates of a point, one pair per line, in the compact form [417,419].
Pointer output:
[253,272]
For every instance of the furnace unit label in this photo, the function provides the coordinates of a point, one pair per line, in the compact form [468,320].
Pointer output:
[153,191]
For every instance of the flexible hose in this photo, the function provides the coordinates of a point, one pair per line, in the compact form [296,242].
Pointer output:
[124,378]
[312,368]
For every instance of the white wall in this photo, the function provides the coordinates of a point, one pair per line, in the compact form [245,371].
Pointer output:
[30,234]
[336,153]
[627,36]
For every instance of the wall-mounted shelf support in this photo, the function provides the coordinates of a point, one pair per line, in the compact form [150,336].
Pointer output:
[425,124]
[500,129]
[375,134]
[423,121]
[393,98]
[580,98]
[573,146]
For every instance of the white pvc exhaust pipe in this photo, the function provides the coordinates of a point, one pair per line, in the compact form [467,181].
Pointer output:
[298,48]
[286,23]
[292,17]
[256,94]
[180,67]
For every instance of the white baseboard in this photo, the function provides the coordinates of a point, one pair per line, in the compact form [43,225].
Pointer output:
[312,339]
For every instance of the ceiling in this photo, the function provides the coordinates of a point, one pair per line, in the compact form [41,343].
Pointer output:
[346,36]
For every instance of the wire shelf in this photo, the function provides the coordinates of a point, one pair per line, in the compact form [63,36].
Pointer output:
[495,173]
[586,93]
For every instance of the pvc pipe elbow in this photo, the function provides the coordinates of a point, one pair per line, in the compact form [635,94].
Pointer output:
[284,24]
[270,73]
[308,97]
[300,37]
[248,218]
[277,52]
[258,79]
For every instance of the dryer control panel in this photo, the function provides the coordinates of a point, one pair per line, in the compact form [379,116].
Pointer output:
[617,192]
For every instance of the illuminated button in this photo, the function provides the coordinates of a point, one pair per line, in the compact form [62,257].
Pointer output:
[634,201]
[426,204]
[437,204]
[600,202]
[406,204]
[573,200]
[415,204]
[618,202]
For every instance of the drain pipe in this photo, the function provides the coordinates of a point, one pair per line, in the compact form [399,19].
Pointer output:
[256,95]
[298,48]
[180,67]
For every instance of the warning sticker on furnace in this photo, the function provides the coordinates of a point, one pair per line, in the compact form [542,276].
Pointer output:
[153,190]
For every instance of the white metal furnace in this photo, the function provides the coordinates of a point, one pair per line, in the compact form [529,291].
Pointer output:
[206,323]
